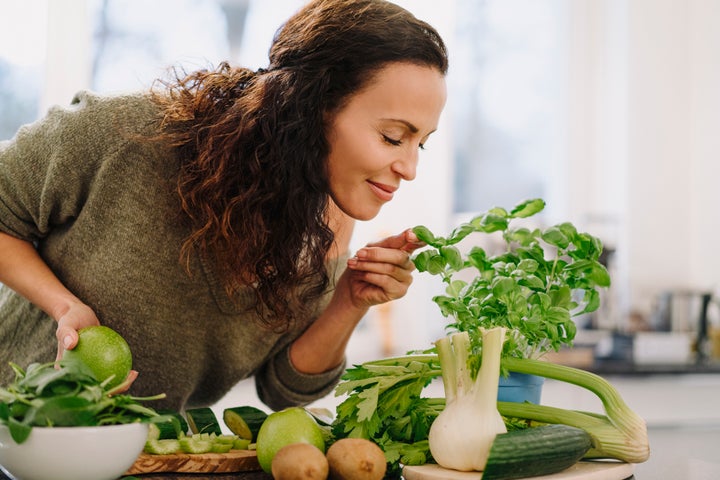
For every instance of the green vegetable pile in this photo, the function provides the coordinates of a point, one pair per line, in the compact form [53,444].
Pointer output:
[533,288]
[385,404]
[67,396]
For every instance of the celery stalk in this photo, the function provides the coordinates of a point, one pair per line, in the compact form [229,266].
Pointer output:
[620,434]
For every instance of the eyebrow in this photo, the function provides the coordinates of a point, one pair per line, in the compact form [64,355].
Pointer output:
[410,126]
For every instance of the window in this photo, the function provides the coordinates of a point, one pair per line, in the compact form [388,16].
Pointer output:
[506,81]
[135,42]
[22,57]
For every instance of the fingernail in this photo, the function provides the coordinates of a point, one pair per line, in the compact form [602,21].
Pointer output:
[361,254]
[67,341]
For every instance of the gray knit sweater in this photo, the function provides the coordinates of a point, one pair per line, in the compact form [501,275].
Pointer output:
[102,211]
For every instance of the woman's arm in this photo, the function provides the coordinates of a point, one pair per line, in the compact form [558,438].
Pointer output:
[22,269]
[379,272]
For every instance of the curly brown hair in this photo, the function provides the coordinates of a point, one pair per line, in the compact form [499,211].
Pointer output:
[253,181]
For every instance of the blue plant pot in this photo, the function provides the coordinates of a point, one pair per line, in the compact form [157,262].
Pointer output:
[520,387]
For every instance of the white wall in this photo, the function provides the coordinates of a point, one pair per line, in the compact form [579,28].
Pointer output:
[640,167]
[67,65]
[643,114]
[673,118]
[414,321]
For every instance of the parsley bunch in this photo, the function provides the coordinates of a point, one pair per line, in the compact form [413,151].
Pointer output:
[385,405]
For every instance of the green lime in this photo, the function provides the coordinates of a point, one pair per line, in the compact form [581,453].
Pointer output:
[104,351]
[292,425]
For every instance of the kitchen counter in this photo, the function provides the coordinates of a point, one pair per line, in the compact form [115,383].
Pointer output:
[243,476]
[611,367]
[681,411]
[217,476]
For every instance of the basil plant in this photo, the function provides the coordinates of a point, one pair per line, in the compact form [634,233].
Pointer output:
[534,287]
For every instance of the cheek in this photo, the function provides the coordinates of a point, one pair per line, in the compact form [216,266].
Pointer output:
[345,159]
[355,153]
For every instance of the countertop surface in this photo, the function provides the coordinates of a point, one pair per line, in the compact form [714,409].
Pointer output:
[681,410]
[243,476]
[613,367]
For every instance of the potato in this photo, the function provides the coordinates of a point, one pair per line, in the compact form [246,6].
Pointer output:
[356,459]
[299,461]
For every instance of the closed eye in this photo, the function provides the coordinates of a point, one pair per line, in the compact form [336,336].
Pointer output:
[392,141]
[397,143]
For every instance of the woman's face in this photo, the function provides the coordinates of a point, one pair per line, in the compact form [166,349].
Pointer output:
[375,138]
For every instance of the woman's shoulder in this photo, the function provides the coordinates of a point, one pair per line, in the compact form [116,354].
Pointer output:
[128,106]
[91,117]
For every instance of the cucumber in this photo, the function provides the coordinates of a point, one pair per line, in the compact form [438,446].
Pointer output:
[162,447]
[203,420]
[226,439]
[219,447]
[535,451]
[153,432]
[167,429]
[241,444]
[244,421]
[196,444]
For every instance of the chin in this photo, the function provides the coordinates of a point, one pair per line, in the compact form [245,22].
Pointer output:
[367,210]
[362,215]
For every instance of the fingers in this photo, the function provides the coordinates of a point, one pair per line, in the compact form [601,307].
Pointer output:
[392,262]
[78,316]
[67,339]
[382,271]
[406,241]
[125,385]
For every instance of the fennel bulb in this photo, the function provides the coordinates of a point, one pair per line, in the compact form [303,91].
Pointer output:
[461,436]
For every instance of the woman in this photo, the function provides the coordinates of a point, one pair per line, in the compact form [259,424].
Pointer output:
[208,221]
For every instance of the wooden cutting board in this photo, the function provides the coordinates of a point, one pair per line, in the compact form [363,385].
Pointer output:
[584,470]
[233,461]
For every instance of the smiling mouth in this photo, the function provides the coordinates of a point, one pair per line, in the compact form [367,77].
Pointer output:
[382,191]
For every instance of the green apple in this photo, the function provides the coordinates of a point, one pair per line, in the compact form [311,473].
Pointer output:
[104,351]
[292,425]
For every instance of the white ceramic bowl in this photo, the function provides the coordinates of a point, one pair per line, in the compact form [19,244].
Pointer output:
[73,453]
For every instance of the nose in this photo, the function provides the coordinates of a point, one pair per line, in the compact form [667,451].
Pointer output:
[406,165]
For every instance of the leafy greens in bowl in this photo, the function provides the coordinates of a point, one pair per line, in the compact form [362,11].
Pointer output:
[68,396]
[78,453]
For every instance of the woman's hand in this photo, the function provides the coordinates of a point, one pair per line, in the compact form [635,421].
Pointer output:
[382,271]
[77,316]
[22,269]
[378,273]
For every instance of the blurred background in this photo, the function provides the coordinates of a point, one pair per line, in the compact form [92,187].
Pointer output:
[607,109]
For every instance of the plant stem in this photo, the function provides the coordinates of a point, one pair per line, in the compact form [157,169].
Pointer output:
[486,383]
[449,368]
